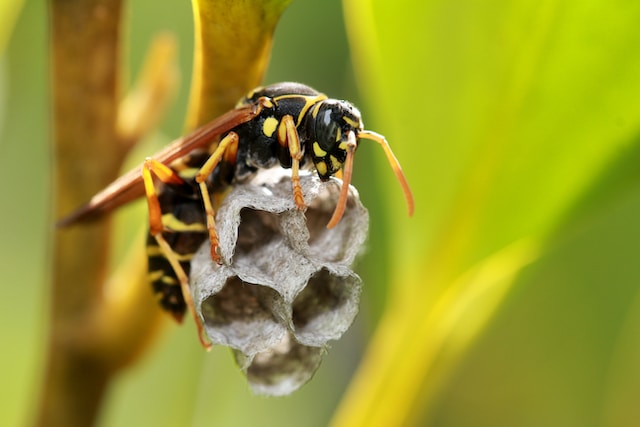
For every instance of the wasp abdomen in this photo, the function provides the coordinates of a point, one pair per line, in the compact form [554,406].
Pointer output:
[185,223]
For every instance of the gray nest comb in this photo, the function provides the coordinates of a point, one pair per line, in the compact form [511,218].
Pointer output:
[285,287]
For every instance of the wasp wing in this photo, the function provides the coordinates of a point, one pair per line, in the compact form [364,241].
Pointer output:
[130,185]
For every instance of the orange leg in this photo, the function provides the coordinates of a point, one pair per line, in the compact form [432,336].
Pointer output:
[166,175]
[346,180]
[288,137]
[228,144]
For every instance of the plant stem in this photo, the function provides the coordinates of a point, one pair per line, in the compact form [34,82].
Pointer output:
[84,57]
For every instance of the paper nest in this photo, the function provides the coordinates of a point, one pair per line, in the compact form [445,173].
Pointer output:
[285,287]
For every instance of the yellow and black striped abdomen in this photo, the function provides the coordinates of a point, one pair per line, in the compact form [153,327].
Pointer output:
[184,220]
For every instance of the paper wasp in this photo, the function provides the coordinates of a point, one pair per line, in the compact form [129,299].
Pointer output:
[287,124]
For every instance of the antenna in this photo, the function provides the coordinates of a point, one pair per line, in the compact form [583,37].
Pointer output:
[395,165]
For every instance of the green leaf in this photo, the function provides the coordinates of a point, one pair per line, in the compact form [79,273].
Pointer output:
[512,120]
[9,11]
[563,349]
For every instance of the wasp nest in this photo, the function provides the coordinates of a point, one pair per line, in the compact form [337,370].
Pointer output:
[285,287]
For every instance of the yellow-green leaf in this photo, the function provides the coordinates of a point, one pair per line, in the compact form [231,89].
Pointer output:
[232,49]
[511,120]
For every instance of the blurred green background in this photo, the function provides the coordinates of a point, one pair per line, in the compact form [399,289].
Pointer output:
[515,121]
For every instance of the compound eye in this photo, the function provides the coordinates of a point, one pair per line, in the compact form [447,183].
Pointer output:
[327,129]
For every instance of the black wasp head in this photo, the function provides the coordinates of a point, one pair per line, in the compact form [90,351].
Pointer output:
[334,131]
[333,127]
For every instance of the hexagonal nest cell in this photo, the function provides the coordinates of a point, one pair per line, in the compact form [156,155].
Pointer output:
[285,287]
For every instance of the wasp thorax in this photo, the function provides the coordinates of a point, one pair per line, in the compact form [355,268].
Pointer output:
[331,122]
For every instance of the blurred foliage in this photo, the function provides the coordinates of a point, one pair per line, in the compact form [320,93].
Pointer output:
[521,131]
[9,11]
[511,296]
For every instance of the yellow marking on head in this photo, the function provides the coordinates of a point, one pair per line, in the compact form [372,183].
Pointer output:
[337,164]
[338,135]
[319,152]
[351,122]
[321,167]
[269,126]
[343,145]
[173,223]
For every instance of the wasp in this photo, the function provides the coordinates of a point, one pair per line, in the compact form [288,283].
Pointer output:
[287,124]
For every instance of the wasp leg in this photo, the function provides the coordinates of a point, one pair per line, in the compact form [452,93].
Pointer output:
[228,147]
[166,175]
[184,285]
[288,137]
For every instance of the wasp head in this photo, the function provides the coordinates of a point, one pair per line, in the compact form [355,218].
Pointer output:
[334,133]
[334,127]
